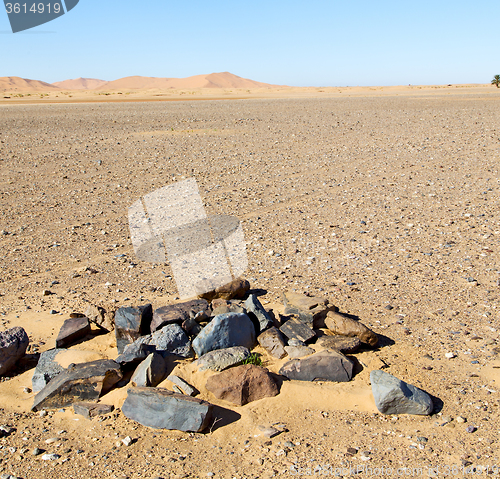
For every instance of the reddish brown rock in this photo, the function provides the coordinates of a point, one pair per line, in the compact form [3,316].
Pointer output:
[242,384]
[179,312]
[235,289]
[310,310]
[340,324]
[71,331]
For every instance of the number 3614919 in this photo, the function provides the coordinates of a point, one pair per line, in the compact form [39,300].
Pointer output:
[33,7]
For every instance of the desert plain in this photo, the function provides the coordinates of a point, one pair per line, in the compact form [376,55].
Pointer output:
[385,201]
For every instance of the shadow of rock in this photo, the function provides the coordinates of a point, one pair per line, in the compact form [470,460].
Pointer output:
[222,417]
[256,291]
[357,366]
[438,404]
[27,362]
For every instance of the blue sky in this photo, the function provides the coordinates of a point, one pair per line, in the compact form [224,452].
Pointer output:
[315,43]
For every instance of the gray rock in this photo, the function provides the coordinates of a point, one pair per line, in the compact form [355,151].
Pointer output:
[322,366]
[342,344]
[295,342]
[255,308]
[88,409]
[295,329]
[79,382]
[221,359]
[13,344]
[46,369]
[192,327]
[225,331]
[161,409]
[183,385]
[132,323]
[173,340]
[393,396]
[135,352]
[150,372]
[311,311]
[298,351]
[273,342]
[71,331]
[178,313]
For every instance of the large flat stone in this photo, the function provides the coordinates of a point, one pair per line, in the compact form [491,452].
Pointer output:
[394,396]
[221,359]
[72,330]
[178,313]
[296,329]
[342,344]
[310,310]
[341,324]
[322,366]
[13,344]
[273,341]
[131,323]
[161,409]
[234,289]
[242,384]
[89,410]
[81,382]
[225,331]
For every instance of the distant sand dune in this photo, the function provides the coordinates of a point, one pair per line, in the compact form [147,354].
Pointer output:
[23,84]
[80,84]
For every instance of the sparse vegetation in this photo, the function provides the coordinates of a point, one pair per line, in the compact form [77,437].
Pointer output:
[253,359]
[496,81]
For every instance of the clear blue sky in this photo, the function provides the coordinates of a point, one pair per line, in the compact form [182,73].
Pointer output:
[314,43]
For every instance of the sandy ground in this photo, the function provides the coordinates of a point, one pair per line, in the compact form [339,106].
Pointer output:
[384,202]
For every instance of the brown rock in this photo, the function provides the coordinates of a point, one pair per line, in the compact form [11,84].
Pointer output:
[179,312]
[101,317]
[221,306]
[340,324]
[273,342]
[88,409]
[235,289]
[242,384]
[71,331]
[342,344]
[311,311]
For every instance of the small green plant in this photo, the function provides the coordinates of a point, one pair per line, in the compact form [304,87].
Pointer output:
[253,359]
[496,81]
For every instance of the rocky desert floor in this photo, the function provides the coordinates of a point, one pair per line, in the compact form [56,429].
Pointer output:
[387,205]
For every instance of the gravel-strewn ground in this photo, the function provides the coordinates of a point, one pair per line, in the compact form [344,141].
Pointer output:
[389,207]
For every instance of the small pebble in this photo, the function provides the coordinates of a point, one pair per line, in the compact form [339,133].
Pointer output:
[450,355]
[51,440]
[460,419]
[42,413]
[36,451]
[127,441]
[470,429]
[50,457]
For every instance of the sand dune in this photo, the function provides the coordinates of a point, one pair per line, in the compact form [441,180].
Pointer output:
[80,84]
[23,84]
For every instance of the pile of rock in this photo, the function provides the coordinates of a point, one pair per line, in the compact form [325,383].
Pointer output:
[221,333]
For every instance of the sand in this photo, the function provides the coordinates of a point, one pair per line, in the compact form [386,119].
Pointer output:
[385,202]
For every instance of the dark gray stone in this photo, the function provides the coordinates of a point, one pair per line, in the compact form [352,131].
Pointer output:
[295,329]
[72,330]
[13,344]
[342,344]
[135,352]
[150,372]
[79,382]
[46,369]
[132,323]
[178,313]
[221,359]
[225,331]
[298,351]
[311,311]
[173,340]
[88,409]
[161,409]
[393,396]
[192,327]
[322,366]
[184,387]
[254,307]
[273,342]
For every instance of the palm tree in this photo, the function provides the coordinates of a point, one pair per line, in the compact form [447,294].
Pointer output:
[496,81]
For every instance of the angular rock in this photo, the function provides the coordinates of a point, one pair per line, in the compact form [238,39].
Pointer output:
[150,372]
[178,313]
[46,369]
[298,351]
[132,323]
[183,385]
[72,330]
[80,382]
[393,396]
[221,359]
[171,339]
[135,353]
[88,409]
[13,344]
[99,316]
[225,331]
[192,327]
[322,366]
[242,384]
[273,342]
[235,289]
[311,311]
[295,329]
[342,344]
[222,306]
[255,308]
[340,324]
[161,409]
